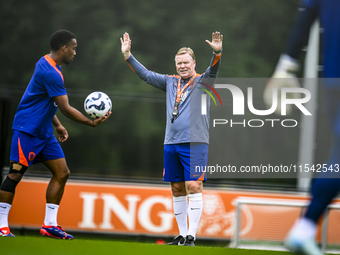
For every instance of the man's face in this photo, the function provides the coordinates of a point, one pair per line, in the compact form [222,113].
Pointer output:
[69,51]
[185,65]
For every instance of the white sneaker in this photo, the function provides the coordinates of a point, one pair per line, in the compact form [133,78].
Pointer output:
[307,247]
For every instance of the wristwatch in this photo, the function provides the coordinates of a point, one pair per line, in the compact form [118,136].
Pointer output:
[218,52]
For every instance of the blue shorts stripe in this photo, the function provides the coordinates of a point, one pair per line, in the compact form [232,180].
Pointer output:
[35,149]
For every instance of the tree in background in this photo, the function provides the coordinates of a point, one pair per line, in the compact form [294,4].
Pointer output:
[254,33]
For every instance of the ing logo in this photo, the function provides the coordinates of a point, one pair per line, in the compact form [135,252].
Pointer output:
[204,98]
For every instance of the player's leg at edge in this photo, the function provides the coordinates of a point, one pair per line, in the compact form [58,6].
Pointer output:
[325,188]
[7,191]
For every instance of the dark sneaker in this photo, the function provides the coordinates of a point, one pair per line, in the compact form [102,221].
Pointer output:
[189,241]
[55,232]
[5,231]
[178,240]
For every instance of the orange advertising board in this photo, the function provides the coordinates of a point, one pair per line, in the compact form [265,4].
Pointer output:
[144,209]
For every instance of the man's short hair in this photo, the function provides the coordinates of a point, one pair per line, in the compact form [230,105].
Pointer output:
[60,38]
[185,50]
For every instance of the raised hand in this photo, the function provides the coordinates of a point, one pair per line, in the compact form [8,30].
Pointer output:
[216,41]
[126,45]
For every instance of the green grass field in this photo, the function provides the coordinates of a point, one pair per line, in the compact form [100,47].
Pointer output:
[36,245]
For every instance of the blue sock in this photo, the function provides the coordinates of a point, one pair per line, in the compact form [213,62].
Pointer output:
[323,192]
[327,186]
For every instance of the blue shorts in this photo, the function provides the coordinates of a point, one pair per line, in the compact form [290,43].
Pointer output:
[185,162]
[28,150]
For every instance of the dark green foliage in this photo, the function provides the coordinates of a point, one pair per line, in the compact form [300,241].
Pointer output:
[130,143]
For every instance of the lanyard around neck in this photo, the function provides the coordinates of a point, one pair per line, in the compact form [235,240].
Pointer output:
[179,94]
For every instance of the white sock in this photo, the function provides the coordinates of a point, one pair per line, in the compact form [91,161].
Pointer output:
[194,212]
[51,215]
[4,211]
[304,229]
[181,211]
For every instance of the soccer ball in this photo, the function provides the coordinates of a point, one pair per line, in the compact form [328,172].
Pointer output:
[97,104]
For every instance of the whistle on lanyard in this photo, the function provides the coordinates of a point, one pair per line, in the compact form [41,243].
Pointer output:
[175,112]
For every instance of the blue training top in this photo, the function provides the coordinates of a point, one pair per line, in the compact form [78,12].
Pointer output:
[328,12]
[190,125]
[37,107]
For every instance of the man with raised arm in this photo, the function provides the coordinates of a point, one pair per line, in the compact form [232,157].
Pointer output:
[187,130]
